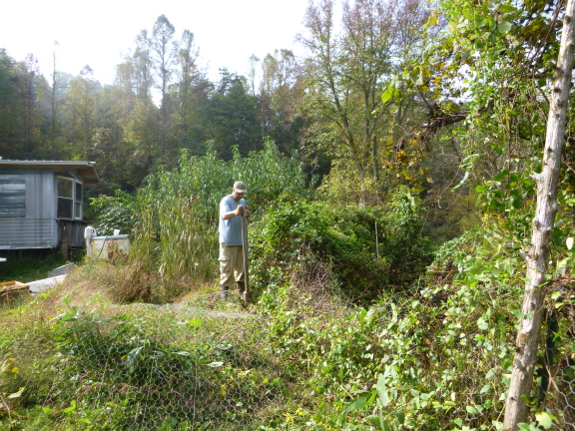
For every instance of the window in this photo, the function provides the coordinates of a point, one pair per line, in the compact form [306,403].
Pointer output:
[69,198]
[65,198]
[78,200]
[12,196]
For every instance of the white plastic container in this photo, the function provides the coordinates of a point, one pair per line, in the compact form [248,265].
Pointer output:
[110,247]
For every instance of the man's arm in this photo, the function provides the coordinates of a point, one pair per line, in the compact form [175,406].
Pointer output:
[231,214]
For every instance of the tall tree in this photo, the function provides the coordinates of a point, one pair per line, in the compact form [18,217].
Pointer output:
[141,67]
[542,233]
[9,122]
[345,75]
[189,93]
[280,96]
[164,50]
[136,113]
[82,103]
[31,117]
[54,102]
[230,118]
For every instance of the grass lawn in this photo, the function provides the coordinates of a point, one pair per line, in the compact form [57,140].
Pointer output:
[29,265]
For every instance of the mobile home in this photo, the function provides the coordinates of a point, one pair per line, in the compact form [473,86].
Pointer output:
[41,203]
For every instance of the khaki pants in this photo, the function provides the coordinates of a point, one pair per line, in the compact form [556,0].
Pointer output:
[231,264]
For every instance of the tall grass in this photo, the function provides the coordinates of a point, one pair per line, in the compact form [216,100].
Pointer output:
[174,217]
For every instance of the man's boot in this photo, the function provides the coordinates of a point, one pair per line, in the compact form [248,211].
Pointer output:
[241,288]
[225,292]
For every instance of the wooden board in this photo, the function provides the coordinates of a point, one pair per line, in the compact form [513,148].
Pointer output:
[12,285]
[10,290]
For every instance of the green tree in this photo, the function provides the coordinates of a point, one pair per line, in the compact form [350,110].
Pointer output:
[280,97]
[345,75]
[134,108]
[230,117]
[164,50]
[82,111]
[189,93]
[31,116]
[9,122]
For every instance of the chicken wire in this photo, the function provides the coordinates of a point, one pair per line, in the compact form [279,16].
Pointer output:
[556,373]
[562,393]
[205,365]
[145,367]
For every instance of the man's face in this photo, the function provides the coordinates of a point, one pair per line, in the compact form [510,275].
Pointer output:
[237,195]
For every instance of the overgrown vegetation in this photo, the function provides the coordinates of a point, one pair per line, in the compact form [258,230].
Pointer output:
[173,219]
[30,265]
[355,324]
[359,320]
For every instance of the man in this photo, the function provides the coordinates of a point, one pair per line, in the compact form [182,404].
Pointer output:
[232,208]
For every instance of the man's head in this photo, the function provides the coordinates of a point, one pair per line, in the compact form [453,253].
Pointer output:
[239,190]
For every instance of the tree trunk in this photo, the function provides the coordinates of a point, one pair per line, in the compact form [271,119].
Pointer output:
[547,183]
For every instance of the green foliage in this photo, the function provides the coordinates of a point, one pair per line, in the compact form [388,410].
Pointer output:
[146,372]
[174,218]
[29,265]
[118,212]
[362,264]
[437,358]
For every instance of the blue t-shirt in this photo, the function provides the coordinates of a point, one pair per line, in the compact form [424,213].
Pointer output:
[231,230]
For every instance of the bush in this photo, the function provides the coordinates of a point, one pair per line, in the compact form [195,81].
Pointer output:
[363,264]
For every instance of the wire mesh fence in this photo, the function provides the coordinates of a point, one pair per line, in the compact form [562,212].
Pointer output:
[562,394]
[555,375]
[145,367]
[213,365]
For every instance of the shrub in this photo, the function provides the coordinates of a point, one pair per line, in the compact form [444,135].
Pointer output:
[363,263]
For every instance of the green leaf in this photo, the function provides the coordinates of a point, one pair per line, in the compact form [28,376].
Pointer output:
[506,8]
[133,358]
[544,420]
[432,20]
[70,316]
[504,27]
[47,410]
[400,417]
[357,404]
[195,323]
[391,92]
[382,390]
[502,175]
[470,409]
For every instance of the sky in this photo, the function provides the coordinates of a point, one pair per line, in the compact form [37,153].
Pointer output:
[227,32]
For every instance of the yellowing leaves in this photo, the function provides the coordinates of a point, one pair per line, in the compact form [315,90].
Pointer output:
[432,20]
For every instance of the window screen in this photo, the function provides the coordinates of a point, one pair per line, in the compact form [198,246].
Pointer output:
[12,196]
[78,200]
[65,198]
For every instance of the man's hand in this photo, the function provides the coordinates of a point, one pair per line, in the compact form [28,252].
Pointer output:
[239,210]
